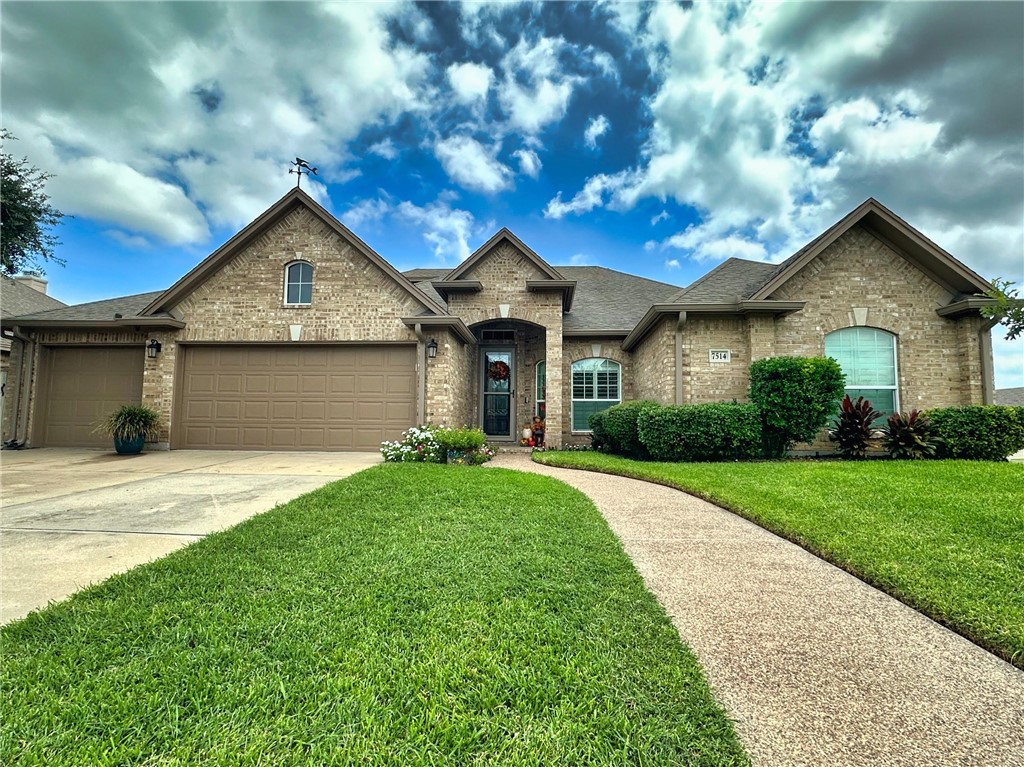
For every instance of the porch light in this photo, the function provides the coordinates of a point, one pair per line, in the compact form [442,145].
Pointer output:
[153,348]
[432,349]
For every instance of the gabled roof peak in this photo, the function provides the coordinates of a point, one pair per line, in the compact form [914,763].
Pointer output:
[508,235]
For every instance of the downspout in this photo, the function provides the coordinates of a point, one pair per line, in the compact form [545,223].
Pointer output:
[421,375]
[680,321]
[987,374]
[27,361]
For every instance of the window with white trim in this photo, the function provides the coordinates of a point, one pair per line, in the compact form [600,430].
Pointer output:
[542,388]
[596,386]
[868,359]
[298,283]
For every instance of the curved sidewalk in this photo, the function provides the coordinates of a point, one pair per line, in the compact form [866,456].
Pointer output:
[814,666]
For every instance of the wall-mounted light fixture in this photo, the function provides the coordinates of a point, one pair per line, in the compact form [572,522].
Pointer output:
[153,348]
[432,349]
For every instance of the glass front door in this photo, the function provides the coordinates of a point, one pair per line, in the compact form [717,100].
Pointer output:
[498,393]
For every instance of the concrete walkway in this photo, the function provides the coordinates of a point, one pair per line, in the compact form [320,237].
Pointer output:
[815,667]
[70,517]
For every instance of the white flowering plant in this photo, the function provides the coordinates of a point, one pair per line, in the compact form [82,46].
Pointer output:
[419,444]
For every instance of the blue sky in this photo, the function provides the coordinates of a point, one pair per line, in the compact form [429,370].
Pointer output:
[657,139]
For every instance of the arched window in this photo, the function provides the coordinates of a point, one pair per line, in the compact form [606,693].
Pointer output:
[542,388]
[298,283]
[596,386]
[868,358]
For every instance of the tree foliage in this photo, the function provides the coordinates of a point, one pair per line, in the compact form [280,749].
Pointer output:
[26,215]
[1008,309]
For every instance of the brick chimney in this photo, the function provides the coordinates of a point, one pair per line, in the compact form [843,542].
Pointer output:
[33,281]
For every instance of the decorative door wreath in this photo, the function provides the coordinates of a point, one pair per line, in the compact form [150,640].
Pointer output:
[498,371]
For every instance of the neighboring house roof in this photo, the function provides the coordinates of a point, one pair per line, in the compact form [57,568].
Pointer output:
[105,312]
[16,299]
[169,298]
[1010,396]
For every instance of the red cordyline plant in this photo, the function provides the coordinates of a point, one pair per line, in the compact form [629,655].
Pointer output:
[852,429]
[909,436]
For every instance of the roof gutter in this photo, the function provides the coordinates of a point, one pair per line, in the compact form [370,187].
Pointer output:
[124,322]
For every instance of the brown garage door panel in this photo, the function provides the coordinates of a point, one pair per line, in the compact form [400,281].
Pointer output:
[85,384]
[296,398]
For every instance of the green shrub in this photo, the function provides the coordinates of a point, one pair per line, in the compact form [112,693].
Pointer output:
[713,432]
[619,425]
[460,439]
[979,433]
[797,396]
[852,428]
[129,422]
[598,432]
[909,436]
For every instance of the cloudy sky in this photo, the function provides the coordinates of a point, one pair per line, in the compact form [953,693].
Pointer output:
[651,138]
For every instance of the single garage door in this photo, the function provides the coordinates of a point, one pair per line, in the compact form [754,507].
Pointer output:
[83,386]
[295,397]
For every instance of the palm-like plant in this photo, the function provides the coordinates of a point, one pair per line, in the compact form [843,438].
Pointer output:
[852,429]
[909,436]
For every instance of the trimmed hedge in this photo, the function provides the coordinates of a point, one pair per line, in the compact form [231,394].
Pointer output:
[797,397]
[620,433]
[712,432]
[979,432]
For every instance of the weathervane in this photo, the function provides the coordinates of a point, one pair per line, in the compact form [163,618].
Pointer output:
[301,169]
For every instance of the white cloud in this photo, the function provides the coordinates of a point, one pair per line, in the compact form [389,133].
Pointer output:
[529,162]
[582,259]
[132,241]
[591,196]
[208,108]
[364,212]
[650,245]
[470,82]
[672,263]
[663,216]
[535,89]
[596,128]
[447,229]
[385,149]
[472,165]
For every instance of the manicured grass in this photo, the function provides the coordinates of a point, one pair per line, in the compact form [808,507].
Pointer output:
[409,615]
[946,537]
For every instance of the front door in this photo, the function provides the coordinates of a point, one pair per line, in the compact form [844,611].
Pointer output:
[498,400]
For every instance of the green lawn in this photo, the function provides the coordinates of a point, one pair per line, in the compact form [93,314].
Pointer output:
[946,537]
[409,615]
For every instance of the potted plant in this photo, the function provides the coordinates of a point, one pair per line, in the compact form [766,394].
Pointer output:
[129,425]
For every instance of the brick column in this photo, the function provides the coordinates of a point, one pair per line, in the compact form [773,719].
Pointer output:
[968,330]
[553,407]
[760,336]
[158,383]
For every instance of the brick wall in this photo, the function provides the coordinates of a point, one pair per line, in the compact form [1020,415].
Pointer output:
[716,381]
[353,299]
[654,364]
[450,378]
[938,366]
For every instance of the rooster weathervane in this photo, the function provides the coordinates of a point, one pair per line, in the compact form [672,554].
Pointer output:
[302,168]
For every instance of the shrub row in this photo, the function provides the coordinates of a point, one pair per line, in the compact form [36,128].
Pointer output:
[712,432]
[979,433]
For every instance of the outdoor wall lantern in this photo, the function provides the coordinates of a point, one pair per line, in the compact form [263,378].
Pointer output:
[432,349]
[153,348]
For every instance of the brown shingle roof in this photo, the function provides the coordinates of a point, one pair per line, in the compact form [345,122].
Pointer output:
[733,279]
[126,306]
[17,299]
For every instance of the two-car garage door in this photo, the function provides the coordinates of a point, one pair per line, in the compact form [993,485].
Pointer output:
[294,397]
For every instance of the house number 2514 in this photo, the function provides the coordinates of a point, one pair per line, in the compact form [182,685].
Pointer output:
[719,355]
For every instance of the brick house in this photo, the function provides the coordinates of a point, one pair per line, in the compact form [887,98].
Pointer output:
[296,335]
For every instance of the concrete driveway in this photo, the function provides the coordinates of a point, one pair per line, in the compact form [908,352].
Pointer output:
[71,517]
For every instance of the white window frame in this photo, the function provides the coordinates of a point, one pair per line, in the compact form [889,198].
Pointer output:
[312,273]
[895,389]
[573,400]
